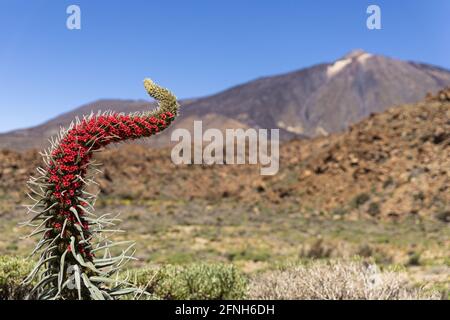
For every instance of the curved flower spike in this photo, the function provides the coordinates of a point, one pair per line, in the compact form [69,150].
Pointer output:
[72,241]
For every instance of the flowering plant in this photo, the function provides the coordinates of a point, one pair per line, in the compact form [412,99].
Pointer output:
[75,258]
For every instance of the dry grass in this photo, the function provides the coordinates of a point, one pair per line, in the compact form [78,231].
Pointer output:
[335,280]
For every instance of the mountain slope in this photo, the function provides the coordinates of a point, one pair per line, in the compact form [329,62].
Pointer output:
[327,97]
[391,165]
[322,99]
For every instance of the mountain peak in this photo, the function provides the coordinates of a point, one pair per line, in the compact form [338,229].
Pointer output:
[355,54]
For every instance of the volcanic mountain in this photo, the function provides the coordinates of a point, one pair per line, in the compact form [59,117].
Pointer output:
[314,101]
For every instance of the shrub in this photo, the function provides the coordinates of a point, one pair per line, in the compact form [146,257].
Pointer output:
[339,212]
[192,282]
[335,280]
[443,216]
[374,209]
[360,199]
[414,259]
[12,272]
[318,250]
[365,251]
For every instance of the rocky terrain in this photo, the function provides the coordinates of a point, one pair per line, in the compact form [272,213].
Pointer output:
[391,165]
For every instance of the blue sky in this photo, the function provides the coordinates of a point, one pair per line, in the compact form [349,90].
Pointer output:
[195,47]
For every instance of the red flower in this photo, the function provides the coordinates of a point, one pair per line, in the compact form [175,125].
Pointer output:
[71,158]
